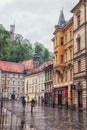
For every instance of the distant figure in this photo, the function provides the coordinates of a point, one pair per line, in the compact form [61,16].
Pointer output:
[33,103]
[42,100]
[23,103]
[46,101]
[1,102]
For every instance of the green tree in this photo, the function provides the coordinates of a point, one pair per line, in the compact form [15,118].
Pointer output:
[21,49]
[4,43]
[44,53]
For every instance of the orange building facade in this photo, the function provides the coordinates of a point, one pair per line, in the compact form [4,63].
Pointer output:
[63,62]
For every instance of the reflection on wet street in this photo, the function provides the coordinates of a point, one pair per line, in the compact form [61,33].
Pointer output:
[9,121]
[12,117]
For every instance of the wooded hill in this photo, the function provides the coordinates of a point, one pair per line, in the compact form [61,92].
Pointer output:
[21,49]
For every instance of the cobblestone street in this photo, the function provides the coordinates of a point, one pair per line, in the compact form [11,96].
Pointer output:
[42,118]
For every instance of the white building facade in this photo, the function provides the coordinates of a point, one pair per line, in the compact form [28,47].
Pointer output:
[14,85]
[80,53]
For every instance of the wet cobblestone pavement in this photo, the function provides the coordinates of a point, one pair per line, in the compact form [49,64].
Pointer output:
[42,118]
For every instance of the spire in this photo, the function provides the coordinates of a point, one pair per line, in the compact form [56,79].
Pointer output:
[61,22]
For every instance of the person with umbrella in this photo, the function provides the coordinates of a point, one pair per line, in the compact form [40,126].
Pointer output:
[33,103]
[23,103]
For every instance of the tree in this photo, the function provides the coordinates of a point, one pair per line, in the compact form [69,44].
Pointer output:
[21,49]
[44,53]
[4,42]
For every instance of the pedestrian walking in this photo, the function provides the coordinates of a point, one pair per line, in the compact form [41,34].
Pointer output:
[42,101]
[33,103]
[23,103]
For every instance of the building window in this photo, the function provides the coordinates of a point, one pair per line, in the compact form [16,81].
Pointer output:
[66,57]
[58,78]
[71,75]
[61,58]
[8,82]
[18,90]
[27,86]
[56,40]
[79,66]
[70,34]
[18,82]
[66,38]
[50,74]
[13,82]
[46,76]
[56,59]
[61,79]
[78,44]
[66,76]
[78,20]
[70,54]
[61,40]
[32,89]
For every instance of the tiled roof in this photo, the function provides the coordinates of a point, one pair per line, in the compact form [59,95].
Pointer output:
[11,67]
[19,68]
[40,68]
[29,64]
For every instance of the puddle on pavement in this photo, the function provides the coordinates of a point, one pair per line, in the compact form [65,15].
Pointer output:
[9,121]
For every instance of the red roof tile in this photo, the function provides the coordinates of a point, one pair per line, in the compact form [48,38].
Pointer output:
[11,66]
[40,68]
[26,65]
[29,64]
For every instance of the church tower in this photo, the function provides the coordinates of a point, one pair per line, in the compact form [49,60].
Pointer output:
[12,32]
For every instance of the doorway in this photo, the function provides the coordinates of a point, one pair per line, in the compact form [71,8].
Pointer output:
[79,98]
[60,97]
[13,97]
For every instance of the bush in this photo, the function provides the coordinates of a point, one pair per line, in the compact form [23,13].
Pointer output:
[73,106]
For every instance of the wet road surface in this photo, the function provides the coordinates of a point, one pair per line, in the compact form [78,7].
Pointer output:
[42,118]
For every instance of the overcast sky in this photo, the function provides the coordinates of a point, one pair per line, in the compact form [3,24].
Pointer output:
[34,19]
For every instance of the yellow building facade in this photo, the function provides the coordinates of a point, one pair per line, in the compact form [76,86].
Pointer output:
[31,87]
[63,61]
